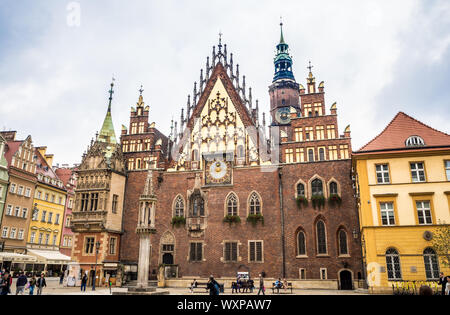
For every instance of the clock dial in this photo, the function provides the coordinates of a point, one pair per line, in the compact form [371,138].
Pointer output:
[218,172]
[282,115]
[218,169]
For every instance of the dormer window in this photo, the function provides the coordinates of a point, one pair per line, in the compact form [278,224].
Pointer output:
[415,141]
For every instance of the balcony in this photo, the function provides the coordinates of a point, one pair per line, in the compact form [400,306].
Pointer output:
[87,219]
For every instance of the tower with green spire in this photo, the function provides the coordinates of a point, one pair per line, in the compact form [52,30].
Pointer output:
[284,91]
[283,61]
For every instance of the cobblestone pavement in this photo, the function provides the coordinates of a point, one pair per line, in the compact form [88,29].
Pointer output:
[54,288]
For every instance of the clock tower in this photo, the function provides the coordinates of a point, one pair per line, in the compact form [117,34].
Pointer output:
[284,91]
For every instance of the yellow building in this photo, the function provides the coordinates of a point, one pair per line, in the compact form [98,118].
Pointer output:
[403,178]
[44,235]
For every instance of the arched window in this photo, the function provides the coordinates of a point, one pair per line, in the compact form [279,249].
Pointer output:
[300,190]
[310,155]
[317,187]
[232,205]
[197,205]
[321,238]
[414,141]
[333,188]
[431,264]
[343,248]
[255,204]
[179,207]
[322,154]
[301,240]
[393,264]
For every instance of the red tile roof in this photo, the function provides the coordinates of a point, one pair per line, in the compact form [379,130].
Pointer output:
[400,129]
[11,148]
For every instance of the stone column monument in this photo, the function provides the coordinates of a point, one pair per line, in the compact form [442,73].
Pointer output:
[145,228]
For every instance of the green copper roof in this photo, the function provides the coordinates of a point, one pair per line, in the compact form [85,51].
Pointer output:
[107,133]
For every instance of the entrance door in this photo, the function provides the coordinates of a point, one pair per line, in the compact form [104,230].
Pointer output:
[345,278]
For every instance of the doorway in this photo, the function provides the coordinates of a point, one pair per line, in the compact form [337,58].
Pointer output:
[345,280]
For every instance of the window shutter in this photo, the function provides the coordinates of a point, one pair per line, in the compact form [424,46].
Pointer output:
[192,252]
[234,249]
[252,251]
[259,251]
[199,251]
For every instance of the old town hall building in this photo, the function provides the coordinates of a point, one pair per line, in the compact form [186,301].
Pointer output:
[229,193]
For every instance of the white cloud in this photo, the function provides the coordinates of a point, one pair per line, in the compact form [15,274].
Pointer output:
[55,87]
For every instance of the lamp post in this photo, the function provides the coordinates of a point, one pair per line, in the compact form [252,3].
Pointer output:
[97,246]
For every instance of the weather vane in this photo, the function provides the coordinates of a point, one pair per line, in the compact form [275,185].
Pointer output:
[310,67]
[141,89]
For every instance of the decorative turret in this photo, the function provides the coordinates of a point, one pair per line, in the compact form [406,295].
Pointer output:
[284,91]
[283,61]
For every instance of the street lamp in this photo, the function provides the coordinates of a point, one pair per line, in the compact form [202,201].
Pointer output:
[97,246]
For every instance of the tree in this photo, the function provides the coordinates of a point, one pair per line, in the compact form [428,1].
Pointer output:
[441,244]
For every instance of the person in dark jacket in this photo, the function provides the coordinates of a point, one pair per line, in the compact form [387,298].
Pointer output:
[21,283]
[213,286]
[443,282]
[84,282]
[41,284]
[5,284]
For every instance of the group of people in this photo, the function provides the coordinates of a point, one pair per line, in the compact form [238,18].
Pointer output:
[22,283]
[242,284]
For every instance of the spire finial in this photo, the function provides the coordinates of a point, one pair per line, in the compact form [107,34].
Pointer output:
[111,92]
[220,38]
[141,90]
[281,27]
[310,67]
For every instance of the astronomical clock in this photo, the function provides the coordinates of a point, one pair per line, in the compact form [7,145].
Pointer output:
[218,169]
[282,116]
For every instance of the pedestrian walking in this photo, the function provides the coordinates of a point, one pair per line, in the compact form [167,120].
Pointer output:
[21,283]
[61,278]
[447,286]
[84,282]
[32,284]
[261,285]
[5,284]
[41,284]
[213,286]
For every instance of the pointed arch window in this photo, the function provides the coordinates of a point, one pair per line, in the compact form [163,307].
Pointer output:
[393,264]
[343,247]
[301,242]
[333,188]
[300,190]
[232,205]
[321,238]
[197,205]
[255,204]
[317,187]
[195,155]
[179,207]
[431,264]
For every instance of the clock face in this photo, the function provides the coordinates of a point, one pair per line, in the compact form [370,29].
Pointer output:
[282,115]
[218,169]
[218,172]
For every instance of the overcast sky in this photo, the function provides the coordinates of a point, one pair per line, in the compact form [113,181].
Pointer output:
[376,58]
